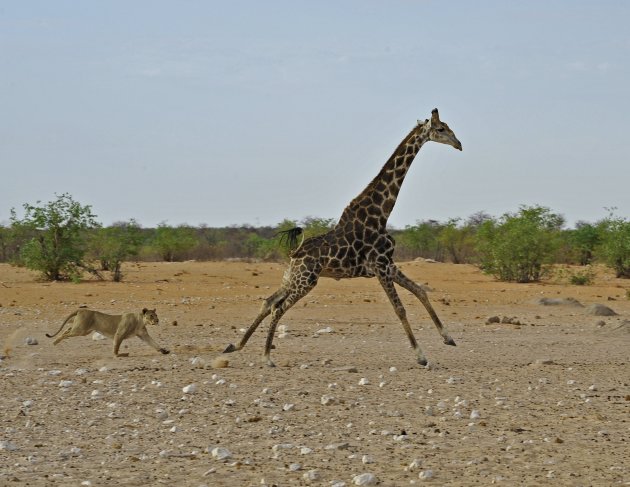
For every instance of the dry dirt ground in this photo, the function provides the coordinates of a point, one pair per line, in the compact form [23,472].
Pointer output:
[543,402]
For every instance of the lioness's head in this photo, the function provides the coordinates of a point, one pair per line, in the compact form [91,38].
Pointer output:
[150,317]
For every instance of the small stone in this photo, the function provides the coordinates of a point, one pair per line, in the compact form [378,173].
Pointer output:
[8,446]
[415,465]
[220,453]
[97,336]
[493,319]
[312,475]
[190,389]
[294,467]
[65,383]
[305,450]
[367,459]
[363,381]
[328,400]
[474,414]
[426,475]
[288,407]
[364,479]
[31,341]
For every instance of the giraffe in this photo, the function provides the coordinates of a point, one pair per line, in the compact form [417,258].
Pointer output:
[359,245]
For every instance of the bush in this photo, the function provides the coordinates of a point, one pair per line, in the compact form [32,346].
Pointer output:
[172,243]
[615,246]
[55,237]
[113,245]
[519,247]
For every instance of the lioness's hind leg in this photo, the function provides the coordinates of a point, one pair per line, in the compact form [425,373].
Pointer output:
[73,331]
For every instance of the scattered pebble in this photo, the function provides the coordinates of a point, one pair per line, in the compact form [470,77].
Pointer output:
[8,446]
[363,381]
[327,400]
[97,336]
[190,389]
[364,479]
[312,475]
[220,453]
[426,475]
[367,459]
[31,341]
[65,383]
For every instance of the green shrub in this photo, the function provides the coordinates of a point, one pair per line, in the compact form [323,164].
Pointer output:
[519,247]
[615,247]
[55,236]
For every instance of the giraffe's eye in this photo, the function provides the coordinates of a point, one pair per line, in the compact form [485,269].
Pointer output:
[441,129]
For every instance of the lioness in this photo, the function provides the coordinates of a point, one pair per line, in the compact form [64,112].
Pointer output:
[116,327]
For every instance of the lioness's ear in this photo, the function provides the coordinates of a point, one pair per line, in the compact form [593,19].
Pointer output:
[144,311]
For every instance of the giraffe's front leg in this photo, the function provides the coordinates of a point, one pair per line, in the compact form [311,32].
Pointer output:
[388,287]
[408,284]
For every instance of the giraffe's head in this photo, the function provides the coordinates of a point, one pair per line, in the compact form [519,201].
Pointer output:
[439,131]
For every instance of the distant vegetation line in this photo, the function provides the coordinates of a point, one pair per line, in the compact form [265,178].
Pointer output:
[63,239]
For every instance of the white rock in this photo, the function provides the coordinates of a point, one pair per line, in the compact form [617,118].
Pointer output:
[367,459]
[305,450]
[8,446]
[31,341]
[28,403]
[81,372]
[328,329]
[364,479]
[87,483]
[363,381]
[174,429]
[288,407]
[393,369]
[103,369]
[54,372]
[97,336]
[190,388]
[454,380]
[415,465]
[65,383]
[426,475]
[294,467]
[474,414]
[312,475]
[282,446]
[327,400]
[220,453]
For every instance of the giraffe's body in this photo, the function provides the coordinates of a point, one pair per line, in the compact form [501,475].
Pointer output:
[359,245]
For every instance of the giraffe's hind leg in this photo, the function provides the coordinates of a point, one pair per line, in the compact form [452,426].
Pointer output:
[265,310]
[404,281]
[390,290]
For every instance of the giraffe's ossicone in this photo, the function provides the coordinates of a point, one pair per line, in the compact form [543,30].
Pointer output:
[359,245]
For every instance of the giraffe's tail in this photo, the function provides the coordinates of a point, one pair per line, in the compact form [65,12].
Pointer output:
[290,237]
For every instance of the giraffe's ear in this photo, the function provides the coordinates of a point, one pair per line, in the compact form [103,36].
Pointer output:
[435,116]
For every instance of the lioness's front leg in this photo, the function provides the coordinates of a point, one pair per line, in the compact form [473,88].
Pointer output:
[146,338]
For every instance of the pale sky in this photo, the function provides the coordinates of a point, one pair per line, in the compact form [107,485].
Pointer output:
[249,111]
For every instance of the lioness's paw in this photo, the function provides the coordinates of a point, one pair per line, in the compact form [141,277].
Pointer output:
[164,351]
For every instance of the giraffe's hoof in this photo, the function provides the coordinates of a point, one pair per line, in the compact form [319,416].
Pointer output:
[229,349]
[450,341]
[270,363]
[422,361]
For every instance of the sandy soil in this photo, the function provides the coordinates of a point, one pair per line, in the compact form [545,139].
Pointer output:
[543,402]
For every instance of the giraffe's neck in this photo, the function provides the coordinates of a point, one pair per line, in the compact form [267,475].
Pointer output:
[375,203]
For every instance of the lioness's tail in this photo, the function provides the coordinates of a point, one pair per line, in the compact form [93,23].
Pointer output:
[63,324]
